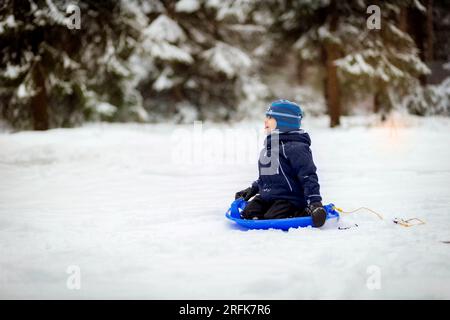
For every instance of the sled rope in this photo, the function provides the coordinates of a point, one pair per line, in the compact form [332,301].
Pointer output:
[359,209]
[402,222]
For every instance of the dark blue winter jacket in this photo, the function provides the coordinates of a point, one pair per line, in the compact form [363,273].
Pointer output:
[294,176]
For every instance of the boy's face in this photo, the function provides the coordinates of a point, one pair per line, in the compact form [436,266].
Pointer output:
[269,124]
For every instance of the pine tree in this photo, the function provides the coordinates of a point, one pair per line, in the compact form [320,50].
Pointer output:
[54,76]
[200,60]
[382,62]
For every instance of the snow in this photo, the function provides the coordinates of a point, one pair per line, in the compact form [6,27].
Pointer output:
[165,29]
[414,61]
[13,71]
[313,103]
[247,28]
[399,33]
[141,113]
[163,82]
[227,59]
[186,113]
[305,50]
[22,91]
[105,108]
[187,6]
[137,11]
[54,13]
[430,100]
[9,22]
[419,6]
[254,91]
[239,9]
[166,51]
[107,198]
[162,38]
[355,64]
[324,34]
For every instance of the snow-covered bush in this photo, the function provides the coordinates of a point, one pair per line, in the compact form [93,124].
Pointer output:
[430,100]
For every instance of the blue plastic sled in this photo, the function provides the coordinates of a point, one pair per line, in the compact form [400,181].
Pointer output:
[284,224]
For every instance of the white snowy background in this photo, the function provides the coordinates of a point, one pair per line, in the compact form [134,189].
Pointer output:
[112,200]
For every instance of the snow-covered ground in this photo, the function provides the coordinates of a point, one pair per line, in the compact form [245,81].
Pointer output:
[112,201]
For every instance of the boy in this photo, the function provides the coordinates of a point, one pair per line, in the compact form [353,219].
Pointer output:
[288,185]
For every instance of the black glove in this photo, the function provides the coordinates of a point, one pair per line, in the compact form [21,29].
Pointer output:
[317,213]
[246,193]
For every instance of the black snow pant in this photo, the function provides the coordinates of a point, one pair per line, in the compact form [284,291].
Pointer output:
[277,209]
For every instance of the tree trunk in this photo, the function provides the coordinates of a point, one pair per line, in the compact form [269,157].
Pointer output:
[376,102]
[417,21]
[429,54]
[39,101]
[403,19]
[379,103]
[332,86]
[332,81]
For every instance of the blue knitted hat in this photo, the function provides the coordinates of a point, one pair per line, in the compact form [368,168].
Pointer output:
[287,114]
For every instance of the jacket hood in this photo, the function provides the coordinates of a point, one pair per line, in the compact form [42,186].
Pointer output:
[300,136]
